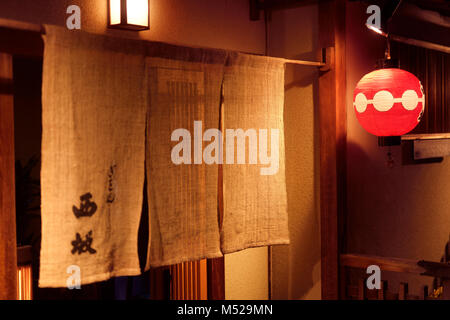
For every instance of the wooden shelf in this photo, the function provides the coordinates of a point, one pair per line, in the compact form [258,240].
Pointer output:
[426,136]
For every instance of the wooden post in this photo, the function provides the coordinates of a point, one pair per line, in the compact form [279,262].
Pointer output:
[8,247]
[332,115]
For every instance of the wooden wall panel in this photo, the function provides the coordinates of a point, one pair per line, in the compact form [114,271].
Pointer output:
[8,254]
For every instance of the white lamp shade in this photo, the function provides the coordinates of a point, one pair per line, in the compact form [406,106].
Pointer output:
[129,14]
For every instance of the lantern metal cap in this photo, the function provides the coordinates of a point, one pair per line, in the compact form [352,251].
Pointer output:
[389,141]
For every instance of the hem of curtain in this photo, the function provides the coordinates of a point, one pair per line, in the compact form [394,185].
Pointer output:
[184,259]
[255,244]
[92,278]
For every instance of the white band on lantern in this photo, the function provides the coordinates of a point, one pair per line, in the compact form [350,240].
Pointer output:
[383,101]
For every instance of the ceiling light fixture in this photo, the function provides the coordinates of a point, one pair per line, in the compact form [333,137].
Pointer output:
[129,14]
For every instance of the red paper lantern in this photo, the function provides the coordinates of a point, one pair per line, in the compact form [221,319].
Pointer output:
[389,102]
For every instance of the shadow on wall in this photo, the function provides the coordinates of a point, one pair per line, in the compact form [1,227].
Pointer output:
[304,77]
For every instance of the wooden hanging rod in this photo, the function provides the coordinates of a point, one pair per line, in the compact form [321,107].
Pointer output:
[301,62]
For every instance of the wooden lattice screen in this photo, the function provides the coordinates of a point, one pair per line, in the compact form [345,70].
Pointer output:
[433,70]
[189,281]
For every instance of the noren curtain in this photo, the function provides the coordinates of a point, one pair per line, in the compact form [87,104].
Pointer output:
[116,110]
[94,104]
[255,200]
[182,196]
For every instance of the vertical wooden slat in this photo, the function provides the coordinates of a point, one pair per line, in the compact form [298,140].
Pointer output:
[185,278]
[429,97]
[8,254]
[424,293]
[176,282]
[191,287]
[383,290]
[204,280]
[24,283]
[189,281]
[199,277]
[332,118]
[193,280]
[361,289]
[19,284]
[194,276]
[343,283]
[446,289]
[171,283]
[180,281]
[403,291]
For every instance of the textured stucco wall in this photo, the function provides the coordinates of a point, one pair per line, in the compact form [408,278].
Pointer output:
[296,268]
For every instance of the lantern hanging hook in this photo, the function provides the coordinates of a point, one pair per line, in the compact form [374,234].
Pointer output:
[387,53]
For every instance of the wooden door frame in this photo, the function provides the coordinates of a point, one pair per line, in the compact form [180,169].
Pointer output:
[25,39]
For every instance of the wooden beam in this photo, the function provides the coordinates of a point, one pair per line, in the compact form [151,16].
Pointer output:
[20,25]
[271,5]
[21,42]
[21,38]
[8,247]
[333,135]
